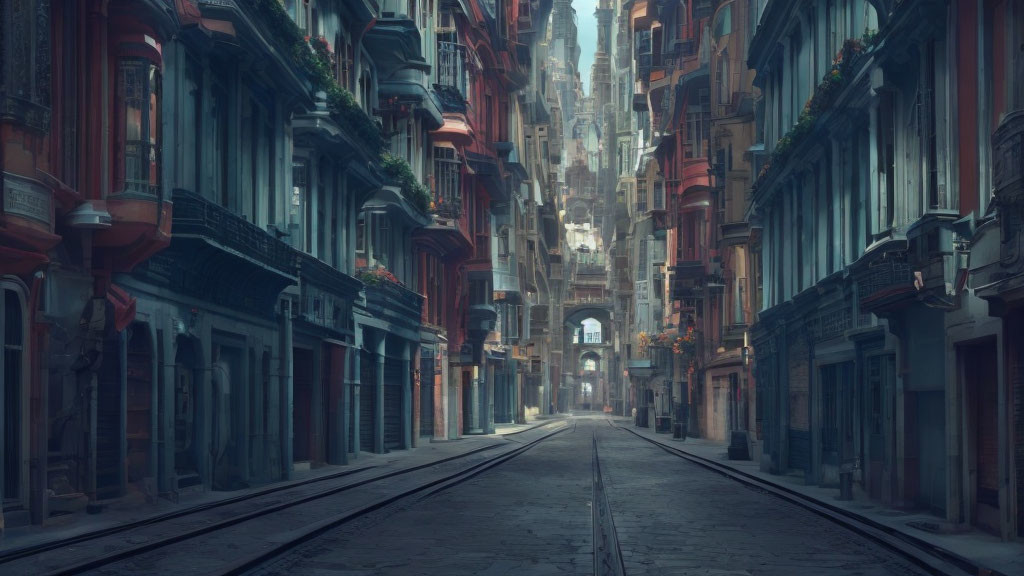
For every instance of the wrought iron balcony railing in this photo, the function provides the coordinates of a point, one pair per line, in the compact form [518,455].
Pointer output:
[451,66]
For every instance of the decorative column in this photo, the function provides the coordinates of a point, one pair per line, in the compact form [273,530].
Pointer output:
[474,402]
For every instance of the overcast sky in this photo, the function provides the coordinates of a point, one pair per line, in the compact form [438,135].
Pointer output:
[586,36]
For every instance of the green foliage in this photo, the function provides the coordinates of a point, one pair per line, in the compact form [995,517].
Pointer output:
[314,57]
[399,172]
[824,97]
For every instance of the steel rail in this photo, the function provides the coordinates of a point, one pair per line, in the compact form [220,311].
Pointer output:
[934,560]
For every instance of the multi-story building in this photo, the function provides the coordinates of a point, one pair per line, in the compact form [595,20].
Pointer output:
[732,288]
[887,127]
[246,238]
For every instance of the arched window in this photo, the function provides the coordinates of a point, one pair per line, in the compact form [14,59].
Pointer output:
[590,365]
[591,331]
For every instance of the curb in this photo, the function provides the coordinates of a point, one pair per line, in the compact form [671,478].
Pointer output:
[934,559]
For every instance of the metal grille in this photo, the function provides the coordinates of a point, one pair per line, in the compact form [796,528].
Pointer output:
[451,67]
[447,195]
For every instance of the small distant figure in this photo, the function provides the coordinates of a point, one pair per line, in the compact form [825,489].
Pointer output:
[634,413]
[551,408]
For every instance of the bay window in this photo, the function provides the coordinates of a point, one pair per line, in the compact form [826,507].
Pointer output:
[138,89]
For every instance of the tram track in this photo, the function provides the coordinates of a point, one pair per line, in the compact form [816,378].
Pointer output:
[922,554]
[428,489]
[261,520]
[607,553]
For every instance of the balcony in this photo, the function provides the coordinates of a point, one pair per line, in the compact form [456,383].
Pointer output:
[394,305]
[220,257]
[395,44]
[326,295]
[997,269]
[482,319]
[653,361]
[884,284]
[450,76]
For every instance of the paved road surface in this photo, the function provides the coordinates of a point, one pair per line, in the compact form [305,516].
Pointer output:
[532,516]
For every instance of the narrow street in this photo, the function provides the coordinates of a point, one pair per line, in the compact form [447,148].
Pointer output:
[525,287]
[532,516]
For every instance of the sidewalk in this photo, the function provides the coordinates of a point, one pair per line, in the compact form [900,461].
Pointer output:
[989,554]
[133,509]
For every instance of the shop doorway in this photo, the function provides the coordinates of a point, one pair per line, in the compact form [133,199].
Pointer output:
[139,413]
[302,405]
[979,380]
[186,400]
[427,376]
[13,433]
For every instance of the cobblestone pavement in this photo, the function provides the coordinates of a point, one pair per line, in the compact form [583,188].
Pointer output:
[529,516]
[675,517]
[532,516]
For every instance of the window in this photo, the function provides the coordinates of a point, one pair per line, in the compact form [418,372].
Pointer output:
[192,139]
[220,143]
[269,166]
[321,210]
[510,321]
[139,98]
[447,196]
[739,300]
[698,128]
[299,206]
[451,58]
[724,95]
[250,138]
[361,237]
[589,365]
[503,243]
[886,161]
[642,259]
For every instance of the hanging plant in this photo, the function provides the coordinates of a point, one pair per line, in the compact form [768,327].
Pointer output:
[824,97]
[399,172]
[315,57]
